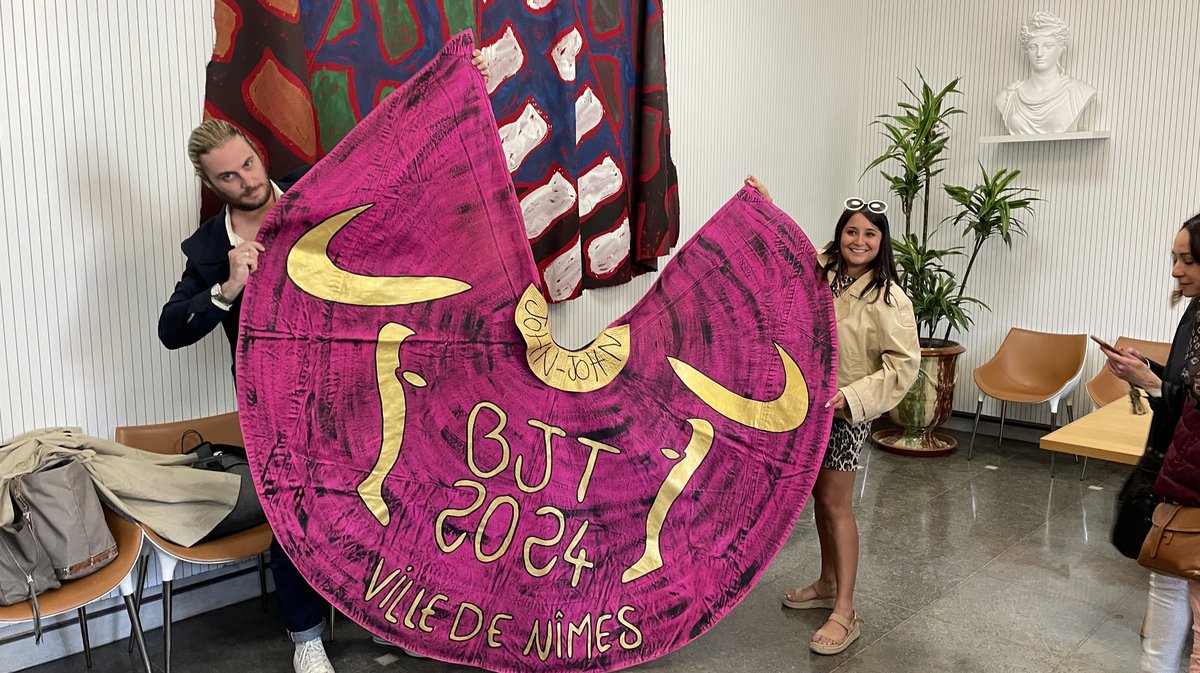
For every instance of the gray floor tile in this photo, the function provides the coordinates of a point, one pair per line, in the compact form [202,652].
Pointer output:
[1114,647]
[901,579]
[931,646]
[891,491]
[1036,613]
[963,546]
[1070,557]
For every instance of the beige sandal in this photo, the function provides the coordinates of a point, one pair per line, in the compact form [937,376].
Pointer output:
[816,602]
[852,633]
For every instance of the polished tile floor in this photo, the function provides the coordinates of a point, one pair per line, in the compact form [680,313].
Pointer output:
[966,567]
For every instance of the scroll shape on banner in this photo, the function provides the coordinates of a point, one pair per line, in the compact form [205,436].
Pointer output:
[453,480]
[580,371]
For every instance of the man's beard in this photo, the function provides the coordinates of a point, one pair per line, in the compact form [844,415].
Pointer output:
[243,203]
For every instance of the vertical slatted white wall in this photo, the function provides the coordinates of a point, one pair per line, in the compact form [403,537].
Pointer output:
[96,193]
[1097,255]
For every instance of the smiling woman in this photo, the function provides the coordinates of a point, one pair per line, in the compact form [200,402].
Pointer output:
[1049,100]
[859,244]
[878,358]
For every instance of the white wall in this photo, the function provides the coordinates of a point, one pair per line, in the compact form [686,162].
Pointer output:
[96,193]
[1096,258]
[1097,255]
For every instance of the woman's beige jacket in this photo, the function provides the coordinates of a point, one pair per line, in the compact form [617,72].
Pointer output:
[879,353]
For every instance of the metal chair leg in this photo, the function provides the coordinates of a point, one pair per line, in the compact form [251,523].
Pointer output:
[1053,426]
[262,581]
[1070,412]
[143,564]
[166,602]
[135,622]
[83,631]
[971,447]
[1084,469]
[1003,413]
[332,617]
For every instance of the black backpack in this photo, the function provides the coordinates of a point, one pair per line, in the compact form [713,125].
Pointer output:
[247,512]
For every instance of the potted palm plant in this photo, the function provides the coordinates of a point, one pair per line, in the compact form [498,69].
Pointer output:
[992,209]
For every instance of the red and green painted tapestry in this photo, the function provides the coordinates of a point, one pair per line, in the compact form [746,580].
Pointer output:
[578,88]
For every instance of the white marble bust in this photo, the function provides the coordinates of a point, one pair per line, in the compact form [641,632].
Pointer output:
[1049,100]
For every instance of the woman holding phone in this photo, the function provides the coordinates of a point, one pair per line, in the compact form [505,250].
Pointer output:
[1167,612]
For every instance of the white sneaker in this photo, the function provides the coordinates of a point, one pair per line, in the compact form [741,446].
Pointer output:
[310,657]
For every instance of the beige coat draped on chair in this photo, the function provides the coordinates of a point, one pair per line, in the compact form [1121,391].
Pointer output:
[179,503]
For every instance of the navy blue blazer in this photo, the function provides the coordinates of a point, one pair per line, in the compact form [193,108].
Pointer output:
[189,315]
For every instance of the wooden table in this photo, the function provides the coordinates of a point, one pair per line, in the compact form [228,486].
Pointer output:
[1111,432]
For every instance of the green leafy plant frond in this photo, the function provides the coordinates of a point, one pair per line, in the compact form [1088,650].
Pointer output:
[993,208]
[917,141]
[918,138]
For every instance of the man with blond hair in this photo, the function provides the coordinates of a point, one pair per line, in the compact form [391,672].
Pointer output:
[221,255]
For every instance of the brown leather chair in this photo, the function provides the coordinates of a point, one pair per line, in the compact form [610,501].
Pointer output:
[1031,368]
[1105,387]
[78,594]
[168,438]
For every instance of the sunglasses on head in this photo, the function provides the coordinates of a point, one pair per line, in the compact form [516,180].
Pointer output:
[855,203]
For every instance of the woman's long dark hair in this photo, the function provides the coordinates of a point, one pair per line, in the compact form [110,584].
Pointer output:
[882,269]
[1193,229]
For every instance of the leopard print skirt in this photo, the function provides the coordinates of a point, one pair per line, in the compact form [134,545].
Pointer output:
[846,441]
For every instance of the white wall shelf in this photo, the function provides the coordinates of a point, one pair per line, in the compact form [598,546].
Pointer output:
[1046,137]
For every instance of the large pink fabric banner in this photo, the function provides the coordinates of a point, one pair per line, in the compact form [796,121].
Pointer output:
[458,483]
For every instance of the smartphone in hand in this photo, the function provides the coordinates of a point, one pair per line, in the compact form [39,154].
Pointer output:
[1104,345]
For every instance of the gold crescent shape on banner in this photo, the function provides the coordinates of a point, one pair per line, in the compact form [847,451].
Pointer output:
[783,414]
[580,371]
[311,269]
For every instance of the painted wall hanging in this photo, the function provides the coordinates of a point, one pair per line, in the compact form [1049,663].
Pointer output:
[580,87]
[455,481]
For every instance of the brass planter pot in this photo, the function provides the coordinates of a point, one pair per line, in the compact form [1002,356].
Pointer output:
[926,405]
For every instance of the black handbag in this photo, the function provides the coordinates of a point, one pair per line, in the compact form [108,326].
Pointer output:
[1135,505]
[247,511]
